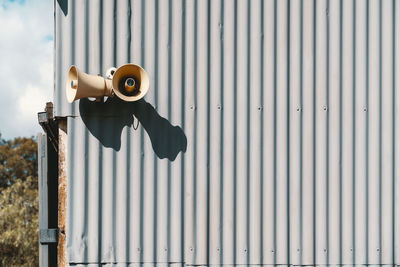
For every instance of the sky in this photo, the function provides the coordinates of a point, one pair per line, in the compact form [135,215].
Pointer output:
[26,64]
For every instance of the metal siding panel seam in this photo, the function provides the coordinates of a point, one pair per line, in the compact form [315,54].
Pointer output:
[334,134]
[268,193]
[295,133]
[190,197]
[240,122]
[163,176]
[282,133]
[347,133]
[374,152]
[360,192]
[215,203]
[254,128]
[387,138]
[201,126]
[321,131]
[308,134]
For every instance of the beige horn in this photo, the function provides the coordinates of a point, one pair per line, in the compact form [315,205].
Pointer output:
[80,85]
[130,82]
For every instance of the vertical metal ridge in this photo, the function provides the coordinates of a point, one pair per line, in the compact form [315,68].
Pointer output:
[113,206]
[248,125]
[254,221]
[183,121]
[341,135]
[221,236]
[354,137]
[86,138]
[328,128]
[128,197]
[261,133]
[129,33]
[394,141]
[86,191]
[374,157]
[87,19]
[359,133]
[275,132]
[140,249]
[188,84]
[386,134]
[195,122]
[301,130]
[100,205]
[314,129]
[208,131]
[101,37]
[114,32]
[57,60]
[113,152]
[169,221]
[288,109]
[294,133]
[142,155]
[156,103]
[235,133]
[380,133]
[367,132]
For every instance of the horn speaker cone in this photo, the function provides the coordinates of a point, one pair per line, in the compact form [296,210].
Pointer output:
[80,85]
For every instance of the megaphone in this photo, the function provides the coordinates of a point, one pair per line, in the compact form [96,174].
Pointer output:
[129,82]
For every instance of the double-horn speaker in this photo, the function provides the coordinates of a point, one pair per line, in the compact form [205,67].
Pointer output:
[129,82]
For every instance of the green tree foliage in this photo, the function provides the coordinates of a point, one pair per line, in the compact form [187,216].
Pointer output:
[18,160]
[18,203]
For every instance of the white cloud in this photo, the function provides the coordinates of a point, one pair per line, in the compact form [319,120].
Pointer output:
[26,64]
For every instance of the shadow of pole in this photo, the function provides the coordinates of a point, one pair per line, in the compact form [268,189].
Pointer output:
[105,121]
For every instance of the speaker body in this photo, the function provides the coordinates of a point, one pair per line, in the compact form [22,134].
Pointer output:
[80,85]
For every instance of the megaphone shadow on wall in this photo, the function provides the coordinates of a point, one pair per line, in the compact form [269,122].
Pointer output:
[105,121]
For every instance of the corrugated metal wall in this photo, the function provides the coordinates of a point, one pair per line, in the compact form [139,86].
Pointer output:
[285,115]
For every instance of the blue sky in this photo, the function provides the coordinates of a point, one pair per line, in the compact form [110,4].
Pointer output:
[26,64]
